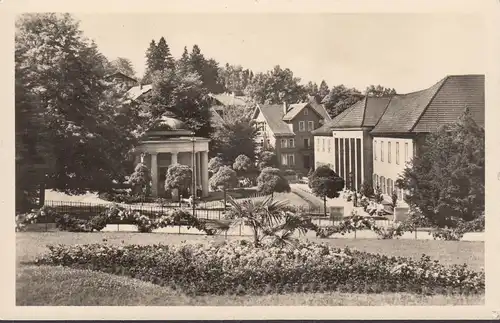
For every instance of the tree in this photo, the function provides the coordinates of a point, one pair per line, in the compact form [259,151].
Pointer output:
[158,59]
[214,164]
[271,180]
[243,165]
[182,95]
[340,98]
[235,135]
[122,65]
[379,91]
[323,90]
[140,180]
[267,159]
[445,180]
[178,177]
[182,65]
[325,183]
[269,219]
[79,119]
[275,87]
[224,179]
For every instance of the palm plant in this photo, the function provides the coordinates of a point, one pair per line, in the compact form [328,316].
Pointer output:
[270,220]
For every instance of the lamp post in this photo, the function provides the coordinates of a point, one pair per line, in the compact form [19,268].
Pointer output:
[193,176]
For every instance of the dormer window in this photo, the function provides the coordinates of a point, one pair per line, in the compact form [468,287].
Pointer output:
[306,112]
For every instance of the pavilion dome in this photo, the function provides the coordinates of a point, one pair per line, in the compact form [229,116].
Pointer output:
[168,122]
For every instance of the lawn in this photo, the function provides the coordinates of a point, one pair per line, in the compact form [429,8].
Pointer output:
[58,286]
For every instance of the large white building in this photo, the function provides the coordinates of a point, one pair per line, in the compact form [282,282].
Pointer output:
[376,138]
[345,143]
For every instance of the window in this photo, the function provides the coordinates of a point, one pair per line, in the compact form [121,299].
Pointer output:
[397,153]
[307,143]
[406,152]
[310,125]
[283,143]
[302,126]
[329,145]
[389,187]
[287,159]
[375,150]
[389,152]
[306,112]
[323,144]
[291,143]
[381,151]
[382,184]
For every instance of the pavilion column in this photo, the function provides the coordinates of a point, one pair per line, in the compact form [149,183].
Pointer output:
[334,154]
[154,174]
[198,169]
[204,173]
[173,160]
[173,157]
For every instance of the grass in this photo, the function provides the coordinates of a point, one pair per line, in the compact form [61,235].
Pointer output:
[31,244]
[58,286]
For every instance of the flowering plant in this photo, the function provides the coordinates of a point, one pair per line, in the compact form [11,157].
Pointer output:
[242,268]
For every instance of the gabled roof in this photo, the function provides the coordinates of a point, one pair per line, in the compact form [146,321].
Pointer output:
[137,91]
[120,74]
[426,110]
[295,109]
[273,113]
[364,113]
[227,99]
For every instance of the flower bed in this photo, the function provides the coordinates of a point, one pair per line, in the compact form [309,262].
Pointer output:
[114,214]
[240,268]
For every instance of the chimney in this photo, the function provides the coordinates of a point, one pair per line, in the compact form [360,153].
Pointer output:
[285,108]
[140,86]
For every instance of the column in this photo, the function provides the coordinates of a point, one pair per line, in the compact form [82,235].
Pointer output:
[173,160]
[363,161]
[334,149]
[173,156]
[154,174]
[204,173]
[198,169]
[356,165]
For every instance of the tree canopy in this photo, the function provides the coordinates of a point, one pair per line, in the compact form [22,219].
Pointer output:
[271,180]
[445,180]
[214,164]
[140,180]
[267,159]
[69,120]
[178,177]
[243,165]
[325,183]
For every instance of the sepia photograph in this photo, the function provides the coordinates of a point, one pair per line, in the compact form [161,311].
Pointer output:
[249,159]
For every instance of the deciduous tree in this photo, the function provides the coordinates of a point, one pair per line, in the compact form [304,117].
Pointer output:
[267,159]
[178,177]
[84,129]
[140,180]
[215,164]
[272,180]
[325,183]
[224,179]
[445,180]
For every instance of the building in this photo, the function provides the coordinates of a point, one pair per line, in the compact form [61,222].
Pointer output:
[121,78]
[287,129]
[401,131]
[345,143]
[167,143]
[222,100]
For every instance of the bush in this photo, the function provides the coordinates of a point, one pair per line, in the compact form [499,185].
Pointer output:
[290,172]
[238,267]
[70,223]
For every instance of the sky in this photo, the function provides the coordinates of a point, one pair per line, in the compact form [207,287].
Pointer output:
[407,52]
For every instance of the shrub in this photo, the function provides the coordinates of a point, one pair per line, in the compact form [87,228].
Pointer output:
[238,267]
[97,223]
[367,189]
[290,172]
[70,223]
[447,234]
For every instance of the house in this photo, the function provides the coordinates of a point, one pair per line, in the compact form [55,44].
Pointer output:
[119,77]
[287,129]
[401,131]
[222,100]
[345,143]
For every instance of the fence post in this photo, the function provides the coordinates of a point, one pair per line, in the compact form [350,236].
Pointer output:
[416,232]
[240,229]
